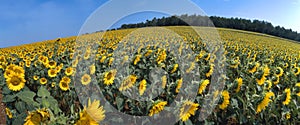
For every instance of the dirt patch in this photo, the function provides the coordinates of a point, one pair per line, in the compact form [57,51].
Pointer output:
[2,111]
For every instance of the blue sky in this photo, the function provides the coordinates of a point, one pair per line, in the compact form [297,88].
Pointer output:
[26,21]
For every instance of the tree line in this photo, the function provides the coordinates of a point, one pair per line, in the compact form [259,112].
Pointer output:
[222,22]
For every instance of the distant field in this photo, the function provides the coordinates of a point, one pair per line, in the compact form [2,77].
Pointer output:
[261,79]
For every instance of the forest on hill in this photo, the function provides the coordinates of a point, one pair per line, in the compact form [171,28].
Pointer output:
[222,22]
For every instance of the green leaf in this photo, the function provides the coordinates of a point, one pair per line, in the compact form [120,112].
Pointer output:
[19,119]
[27,96]
[43,92]
[20,106]
[6,91]
[45,103]
[188,122]
[9,98]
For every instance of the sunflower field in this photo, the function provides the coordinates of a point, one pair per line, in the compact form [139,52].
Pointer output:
[84,80]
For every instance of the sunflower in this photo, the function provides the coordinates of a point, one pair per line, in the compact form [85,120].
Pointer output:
[266,70]
[187,110]
[288,116]
[179,84]
[202,86]
[296,71]
[43,81]
[142,87]
[226,97]
[128,82]
[239,84]
[63,85]
[85,79]
[298,86]
[137,59]
[192,66]
[265,102]
[287,96]
[175,67]
[210,71]
[162,57]
[52,64]
[8,113]
[148,53]
[92,114]
[253,67]
[111,60]
[52,73]
[279,72]
[53,84]
[37,117]
[27,63]
[269,83]
[15,82]
[261,81]
[109,77]
[69,71]
[164,81]
[103,58]
[92,69]
[157,107]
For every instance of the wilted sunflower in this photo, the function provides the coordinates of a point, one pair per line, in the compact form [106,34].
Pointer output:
[85,79]
[92,114]
[157,107]
[15,82]
[109,77]
[189,108]
[37,117]
[142,87]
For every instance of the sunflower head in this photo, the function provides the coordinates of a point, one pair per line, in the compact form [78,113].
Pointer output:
[92,114]
[37,117]
[85,79]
